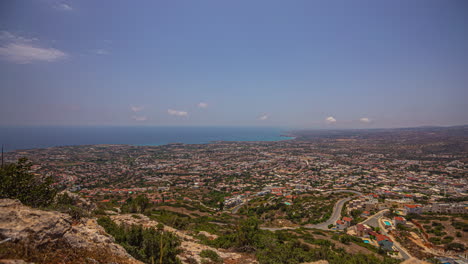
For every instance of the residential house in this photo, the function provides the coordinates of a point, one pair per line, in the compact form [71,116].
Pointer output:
[363,230]
[399,220]
[384,241]
[413,208]
[340,225]
[347,221]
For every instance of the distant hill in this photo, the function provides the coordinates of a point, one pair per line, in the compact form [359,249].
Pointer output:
[432,131]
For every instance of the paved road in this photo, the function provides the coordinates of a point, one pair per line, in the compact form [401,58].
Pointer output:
[374,219]
[237,207]
[334,217]
[375,222]
[336,214]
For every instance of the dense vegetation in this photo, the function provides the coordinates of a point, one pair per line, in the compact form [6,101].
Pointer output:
[17,182]
[210,254]
[136,205]
[304,209]
[287,248]
[149,245]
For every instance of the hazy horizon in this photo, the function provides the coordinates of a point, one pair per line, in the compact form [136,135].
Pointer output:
[294,65]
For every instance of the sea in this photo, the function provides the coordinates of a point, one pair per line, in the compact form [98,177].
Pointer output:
[16,138]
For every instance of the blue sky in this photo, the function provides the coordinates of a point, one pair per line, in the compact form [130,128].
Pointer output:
[295,64]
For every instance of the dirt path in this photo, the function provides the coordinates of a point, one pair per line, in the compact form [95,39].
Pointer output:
[182,210]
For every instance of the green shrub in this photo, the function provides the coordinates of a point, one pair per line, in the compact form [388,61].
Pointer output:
[435,240]
[76,212]
[212,255]
[447,239]
[455,246]
[145,244]
[17,182]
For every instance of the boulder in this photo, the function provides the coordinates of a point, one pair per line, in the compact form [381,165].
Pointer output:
[37,228]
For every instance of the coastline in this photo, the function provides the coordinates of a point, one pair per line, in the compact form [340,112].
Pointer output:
[20,139]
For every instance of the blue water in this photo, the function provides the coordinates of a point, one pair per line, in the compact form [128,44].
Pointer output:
[14,138]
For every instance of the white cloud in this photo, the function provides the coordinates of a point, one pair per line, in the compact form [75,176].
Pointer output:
[365,120]
[136,108]
[63,7]
[177,112]
[330,120]
[202,105]
[139,118]
[23,50]
[10,37]
[101,52]
[264,117]
[25,53]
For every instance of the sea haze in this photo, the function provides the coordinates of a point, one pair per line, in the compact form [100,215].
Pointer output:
[14,138]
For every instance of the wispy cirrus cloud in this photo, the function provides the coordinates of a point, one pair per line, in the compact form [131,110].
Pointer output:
[365,120]
[101,52]
[177,112]
[202,105]
[140,118]
[22,50]
[263,117]
[10,37]
[330,120]
[63,7]
[136,108]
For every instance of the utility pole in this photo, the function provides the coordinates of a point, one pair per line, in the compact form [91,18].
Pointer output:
[2,155]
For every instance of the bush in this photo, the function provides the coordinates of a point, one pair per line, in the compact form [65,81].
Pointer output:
[145,244]
[455,247]
[76,212]
[65,199]
[17,182]
[212,255]
[447,239]
[435,240]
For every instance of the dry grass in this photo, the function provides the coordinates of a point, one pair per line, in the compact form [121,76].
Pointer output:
[58,254]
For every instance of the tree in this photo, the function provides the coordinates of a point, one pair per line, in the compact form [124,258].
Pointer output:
[141,203]
[455,246]
[247,233]
[17,182]
[149,245]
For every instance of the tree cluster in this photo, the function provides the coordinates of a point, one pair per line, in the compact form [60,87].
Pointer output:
[149,245]
[18,182]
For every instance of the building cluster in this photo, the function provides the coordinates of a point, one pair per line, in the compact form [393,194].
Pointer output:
[407,177]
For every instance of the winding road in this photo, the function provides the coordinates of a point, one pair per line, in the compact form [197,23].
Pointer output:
[336,214]
[373,220]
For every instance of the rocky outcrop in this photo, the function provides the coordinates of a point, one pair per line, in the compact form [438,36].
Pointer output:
[79,201]
[13,261]
[414,261]
[38,228]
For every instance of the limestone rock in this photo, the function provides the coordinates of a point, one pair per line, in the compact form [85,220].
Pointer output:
[79,201]
[37,227]
[22,223]
[13,261]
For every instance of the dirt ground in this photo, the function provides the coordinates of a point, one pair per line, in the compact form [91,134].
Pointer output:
[183,210]
[450,230]
[351,248]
